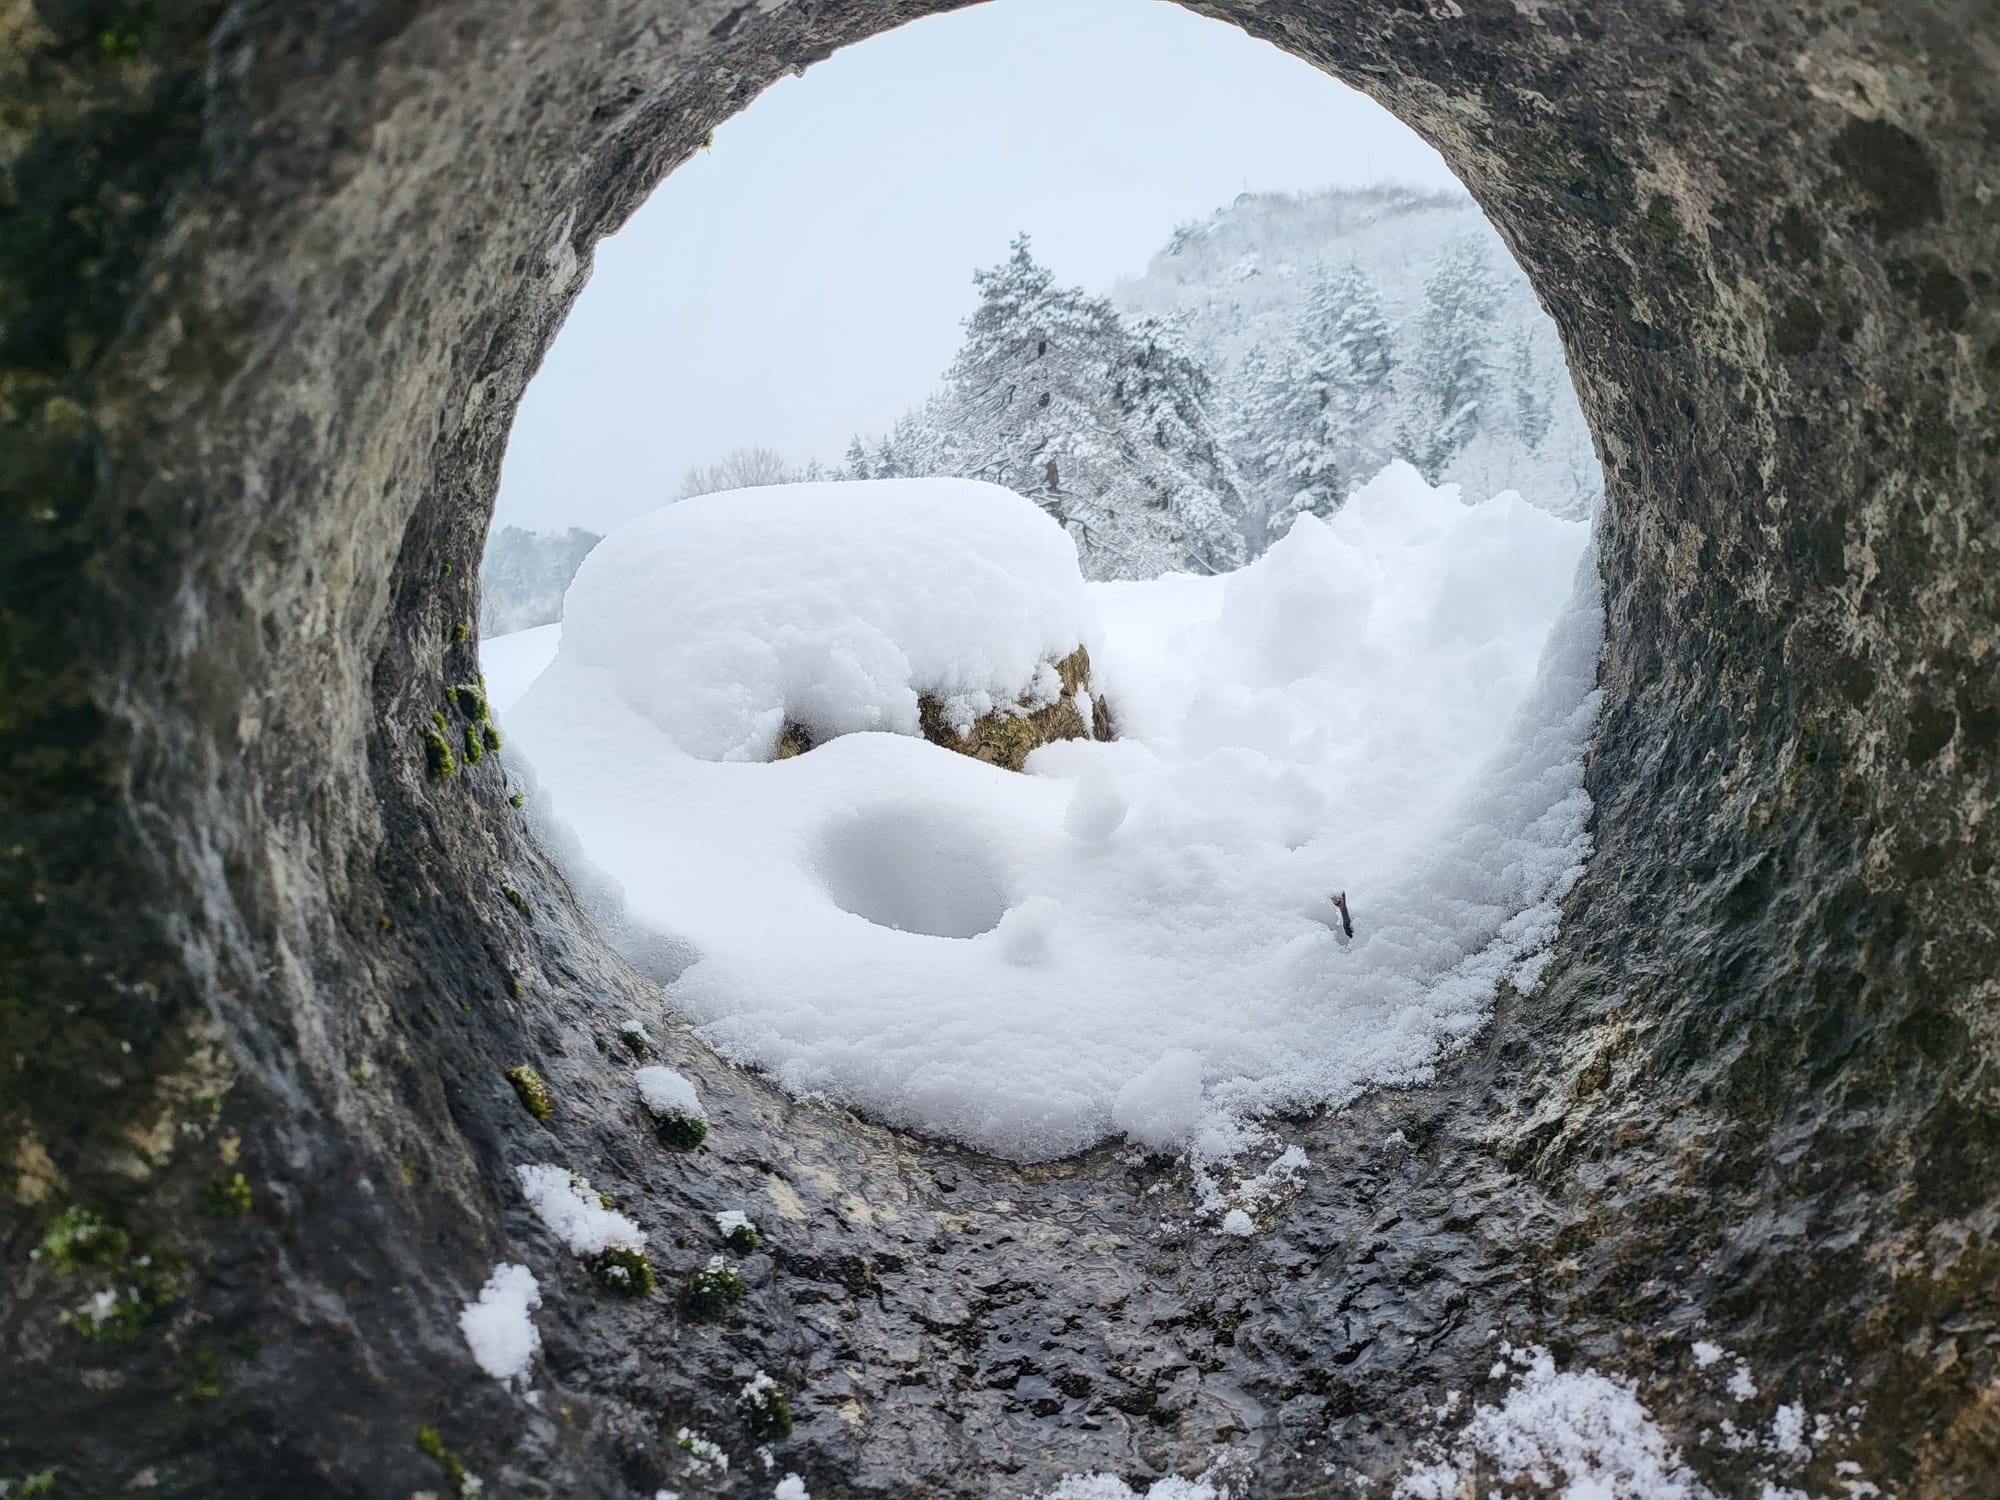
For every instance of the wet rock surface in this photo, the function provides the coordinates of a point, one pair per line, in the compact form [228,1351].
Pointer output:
[272,280]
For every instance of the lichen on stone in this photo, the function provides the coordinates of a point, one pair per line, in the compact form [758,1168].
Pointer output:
[474,747]
[534,1093]
[514,898]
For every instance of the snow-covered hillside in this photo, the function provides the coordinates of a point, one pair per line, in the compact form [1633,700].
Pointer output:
[1272,358]
[1235,278]
[1236,285]
[1133,937]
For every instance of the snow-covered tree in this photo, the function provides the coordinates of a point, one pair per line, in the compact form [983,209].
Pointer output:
[1310,424]
[1166,399]
[1110,429]
[1534,399]
[1450,385]
[1378,323]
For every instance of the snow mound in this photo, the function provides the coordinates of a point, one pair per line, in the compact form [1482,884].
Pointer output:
[1135,936]
[497,1328]
[565,1203]
[665,1092]
[833,606]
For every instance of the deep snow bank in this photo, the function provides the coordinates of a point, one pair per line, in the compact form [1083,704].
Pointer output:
[1135,936]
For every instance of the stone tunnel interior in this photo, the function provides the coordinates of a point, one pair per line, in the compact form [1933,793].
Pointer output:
[271,285]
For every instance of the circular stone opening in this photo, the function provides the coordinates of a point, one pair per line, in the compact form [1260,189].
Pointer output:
[925,869]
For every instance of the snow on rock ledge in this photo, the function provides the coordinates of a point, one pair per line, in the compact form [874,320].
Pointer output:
[861,606]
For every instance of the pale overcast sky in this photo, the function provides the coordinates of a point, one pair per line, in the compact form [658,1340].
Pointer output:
[806,278]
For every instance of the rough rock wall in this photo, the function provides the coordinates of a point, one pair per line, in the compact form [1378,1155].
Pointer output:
[272,278]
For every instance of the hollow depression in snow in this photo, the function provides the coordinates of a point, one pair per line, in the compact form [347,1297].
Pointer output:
[1133,936]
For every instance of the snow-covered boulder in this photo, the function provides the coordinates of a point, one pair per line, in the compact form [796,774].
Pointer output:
[755,624]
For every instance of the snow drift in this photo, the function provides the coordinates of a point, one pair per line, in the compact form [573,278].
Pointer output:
[1134,936]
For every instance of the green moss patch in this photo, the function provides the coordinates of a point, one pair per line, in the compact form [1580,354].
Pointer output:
[227,1197]
[469,698]
[765,1409]
[77,1239]
[711,1291]
[624,1272]
[144,1288]
[135,1285]
[534,1093]
[205,1378]
[678,1132]
[431,1444]
[438,759]
[1006,737]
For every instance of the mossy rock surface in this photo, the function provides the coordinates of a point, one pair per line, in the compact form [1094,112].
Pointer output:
[534,1092]
[680,1132]
[711,1291]
[1006,737]
[624,1272]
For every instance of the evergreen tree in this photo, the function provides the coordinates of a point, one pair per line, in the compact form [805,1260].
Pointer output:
[857,460]
[1165,398]
[1534,403]
[1111,430]
[1312,411]
[1449,391]
[888,464]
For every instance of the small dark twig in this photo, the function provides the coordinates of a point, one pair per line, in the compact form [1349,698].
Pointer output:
[1346,922]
